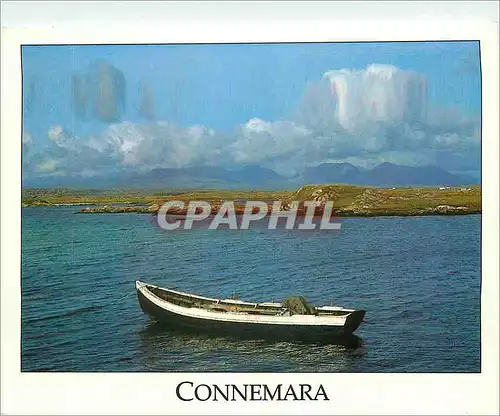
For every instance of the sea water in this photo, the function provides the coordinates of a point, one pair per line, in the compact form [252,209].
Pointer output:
[418,278]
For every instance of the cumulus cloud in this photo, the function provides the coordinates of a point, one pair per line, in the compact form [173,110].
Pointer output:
[63,139]
[317,106]
[109,88]
[130,146]
[67,153]
[263,142]
[99,92]
[47,165]
[161,144]
[365,117]
[381,113]
[379,93]
[27,139]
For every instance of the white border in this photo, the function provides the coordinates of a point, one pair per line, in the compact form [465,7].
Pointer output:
[71,13]
[139,393]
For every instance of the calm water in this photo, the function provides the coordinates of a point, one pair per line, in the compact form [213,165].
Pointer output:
[418,278]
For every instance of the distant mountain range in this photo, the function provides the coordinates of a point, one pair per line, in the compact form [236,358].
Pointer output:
[207,176]
[258,177]
[386,174]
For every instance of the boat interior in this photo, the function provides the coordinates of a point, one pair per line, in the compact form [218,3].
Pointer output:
[293,305]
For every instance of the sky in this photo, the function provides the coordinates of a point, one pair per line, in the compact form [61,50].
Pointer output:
[91,110]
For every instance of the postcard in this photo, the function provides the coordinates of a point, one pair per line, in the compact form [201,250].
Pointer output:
[264,226]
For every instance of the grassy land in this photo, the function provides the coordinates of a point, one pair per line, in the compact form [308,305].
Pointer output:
[348,200]
[35,197]
[366,201]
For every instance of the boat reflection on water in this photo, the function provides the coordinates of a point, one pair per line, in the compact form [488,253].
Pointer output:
[171,349]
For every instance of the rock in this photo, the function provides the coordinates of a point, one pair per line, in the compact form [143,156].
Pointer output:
[450,208]
[154,207]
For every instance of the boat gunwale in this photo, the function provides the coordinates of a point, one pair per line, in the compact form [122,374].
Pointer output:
[215,300]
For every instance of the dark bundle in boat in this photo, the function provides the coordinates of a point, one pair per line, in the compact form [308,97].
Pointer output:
[297,305]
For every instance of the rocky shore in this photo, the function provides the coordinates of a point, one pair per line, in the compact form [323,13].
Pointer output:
[111,209]
[340,212]
[364,211]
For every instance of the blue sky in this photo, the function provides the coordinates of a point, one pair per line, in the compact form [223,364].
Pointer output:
[223,87]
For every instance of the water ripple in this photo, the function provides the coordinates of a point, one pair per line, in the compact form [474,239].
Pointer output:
[414,276]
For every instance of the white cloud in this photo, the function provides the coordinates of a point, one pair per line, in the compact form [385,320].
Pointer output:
[159,144]
[365,117]
[27,139]
[260,141]
[127,145]
[379,93]
[63,139]
[55,132]
[47,166]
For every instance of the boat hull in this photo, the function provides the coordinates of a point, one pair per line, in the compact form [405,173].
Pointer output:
[248,330]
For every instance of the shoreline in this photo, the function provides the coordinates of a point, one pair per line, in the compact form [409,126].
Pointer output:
[348,200]
[131,209]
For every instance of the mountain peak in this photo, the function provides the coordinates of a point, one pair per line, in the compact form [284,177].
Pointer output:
[387,165]
[385,174]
